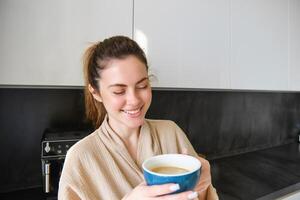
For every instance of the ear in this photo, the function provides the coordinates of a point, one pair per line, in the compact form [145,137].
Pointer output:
[95,93]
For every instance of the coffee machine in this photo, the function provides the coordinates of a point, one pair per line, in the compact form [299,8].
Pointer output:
[55,144]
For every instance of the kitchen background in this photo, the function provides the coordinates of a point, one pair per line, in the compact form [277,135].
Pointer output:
[227,71]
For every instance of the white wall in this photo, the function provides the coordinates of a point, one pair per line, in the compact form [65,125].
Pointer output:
[42,42]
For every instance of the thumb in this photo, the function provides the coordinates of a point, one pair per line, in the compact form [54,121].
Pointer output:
[143,183]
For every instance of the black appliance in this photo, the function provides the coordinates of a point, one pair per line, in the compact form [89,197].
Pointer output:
[55,144]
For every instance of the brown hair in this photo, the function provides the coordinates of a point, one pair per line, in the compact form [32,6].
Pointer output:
[95,60]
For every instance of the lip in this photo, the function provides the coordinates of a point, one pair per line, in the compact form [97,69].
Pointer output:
[135,114]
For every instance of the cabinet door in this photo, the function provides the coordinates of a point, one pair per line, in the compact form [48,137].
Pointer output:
[42,42]
[259,53]
[186,41]
[294,73]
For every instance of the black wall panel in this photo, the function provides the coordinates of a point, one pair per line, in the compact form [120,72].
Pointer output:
[224,123]
[24,115]
[218,123]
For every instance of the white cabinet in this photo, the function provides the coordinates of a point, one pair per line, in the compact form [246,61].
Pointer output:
[232,44]
[186,41]
[259,46]
[294,72]
[42,42]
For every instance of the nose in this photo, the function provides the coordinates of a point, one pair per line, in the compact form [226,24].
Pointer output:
[133,98]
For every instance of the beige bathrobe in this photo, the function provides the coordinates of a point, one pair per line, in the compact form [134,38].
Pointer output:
[100,167]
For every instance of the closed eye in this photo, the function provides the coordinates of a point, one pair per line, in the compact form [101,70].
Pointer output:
[119,92]
[142,86]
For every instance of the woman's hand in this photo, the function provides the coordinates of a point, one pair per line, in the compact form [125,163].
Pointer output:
[144,192]
[205,179]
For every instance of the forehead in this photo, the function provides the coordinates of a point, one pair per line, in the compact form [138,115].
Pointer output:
[123,71]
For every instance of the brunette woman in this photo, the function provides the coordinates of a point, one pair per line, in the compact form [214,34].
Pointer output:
[107,163]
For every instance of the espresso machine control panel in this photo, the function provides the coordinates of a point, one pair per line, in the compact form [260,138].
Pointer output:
[56,148]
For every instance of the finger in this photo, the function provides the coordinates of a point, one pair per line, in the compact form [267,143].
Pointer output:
[143,183]
[202,195]
[202,185]
[183,195]
[202,189]
[204,162]
[157,190]
[205,177]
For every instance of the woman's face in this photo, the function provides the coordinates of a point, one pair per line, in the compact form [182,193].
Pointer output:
[125,92]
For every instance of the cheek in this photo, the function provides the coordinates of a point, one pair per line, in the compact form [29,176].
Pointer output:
[117,103]
[113,103]
[147,96]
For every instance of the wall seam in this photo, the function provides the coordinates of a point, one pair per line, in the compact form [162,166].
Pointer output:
[230,45]
[133,22]
[288,49]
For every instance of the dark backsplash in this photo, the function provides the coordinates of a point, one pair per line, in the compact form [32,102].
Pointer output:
[218,123]
[25,114]
[224,123]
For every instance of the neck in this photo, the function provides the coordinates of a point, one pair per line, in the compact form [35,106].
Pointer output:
[129,137]
[125,133]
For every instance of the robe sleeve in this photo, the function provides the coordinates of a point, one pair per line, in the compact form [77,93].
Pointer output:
[69,183]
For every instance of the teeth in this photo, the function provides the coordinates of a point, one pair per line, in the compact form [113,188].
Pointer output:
[132,111]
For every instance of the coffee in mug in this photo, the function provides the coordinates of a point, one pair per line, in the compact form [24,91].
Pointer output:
[169,170]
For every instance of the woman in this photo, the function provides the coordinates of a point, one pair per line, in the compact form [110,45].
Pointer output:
[107,163]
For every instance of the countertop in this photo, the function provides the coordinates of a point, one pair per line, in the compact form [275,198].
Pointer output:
[264,175]
[26,194]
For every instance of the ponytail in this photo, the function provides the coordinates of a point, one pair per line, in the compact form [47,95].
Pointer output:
[94,110]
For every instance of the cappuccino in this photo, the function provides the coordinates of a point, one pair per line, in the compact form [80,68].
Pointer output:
[169,170]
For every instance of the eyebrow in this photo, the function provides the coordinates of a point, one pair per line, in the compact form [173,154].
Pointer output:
[123,85]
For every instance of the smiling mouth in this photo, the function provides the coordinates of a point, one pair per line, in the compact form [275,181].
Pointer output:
[133,112]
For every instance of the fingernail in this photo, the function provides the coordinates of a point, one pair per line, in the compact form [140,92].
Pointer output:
[174,187]
[193,195]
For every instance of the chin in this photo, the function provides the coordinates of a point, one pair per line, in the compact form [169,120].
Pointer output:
[135,123]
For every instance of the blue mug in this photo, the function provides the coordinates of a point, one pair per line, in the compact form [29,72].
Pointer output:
[187,177]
